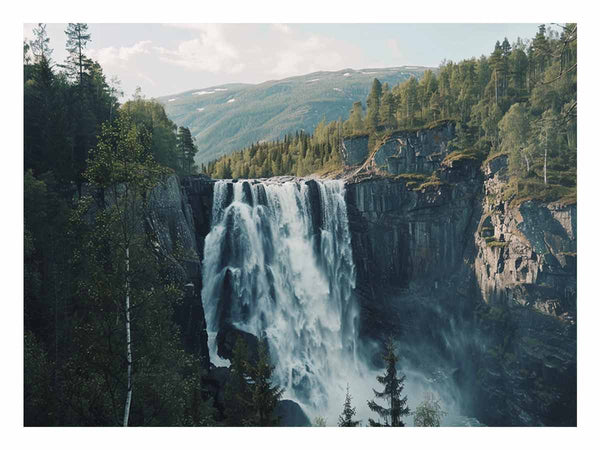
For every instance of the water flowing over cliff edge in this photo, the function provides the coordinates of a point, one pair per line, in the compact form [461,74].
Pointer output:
[278,264]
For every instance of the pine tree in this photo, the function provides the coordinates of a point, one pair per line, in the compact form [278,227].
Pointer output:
[345,419]
[355,121]
[264,394]
[40,44]
[187,149]
[373,104]
[237,390]
[77,62]
[393,386]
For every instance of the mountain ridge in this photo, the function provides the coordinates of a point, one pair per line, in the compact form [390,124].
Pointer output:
[228,117]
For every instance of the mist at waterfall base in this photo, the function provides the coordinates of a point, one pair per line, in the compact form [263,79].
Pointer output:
[278,263]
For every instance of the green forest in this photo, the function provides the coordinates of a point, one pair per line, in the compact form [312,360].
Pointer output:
[521,100]
[83,277]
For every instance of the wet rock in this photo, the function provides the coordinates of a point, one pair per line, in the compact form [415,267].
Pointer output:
[291,414]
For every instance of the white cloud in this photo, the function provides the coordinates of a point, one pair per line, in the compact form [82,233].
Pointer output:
[210,51]
[282,28]
[301,54]
[117,56]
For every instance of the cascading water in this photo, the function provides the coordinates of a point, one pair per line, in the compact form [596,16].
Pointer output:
[278,263]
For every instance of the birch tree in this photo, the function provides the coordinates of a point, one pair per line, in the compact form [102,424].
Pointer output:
[515,131]
[123,170]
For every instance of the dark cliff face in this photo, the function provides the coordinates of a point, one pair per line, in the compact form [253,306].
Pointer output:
[477,284]
[413,251]
[419,151]
[178,221]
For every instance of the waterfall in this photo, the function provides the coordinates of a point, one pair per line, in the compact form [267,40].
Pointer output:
[278,263]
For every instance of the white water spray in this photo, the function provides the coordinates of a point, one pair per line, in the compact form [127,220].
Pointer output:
[286,246]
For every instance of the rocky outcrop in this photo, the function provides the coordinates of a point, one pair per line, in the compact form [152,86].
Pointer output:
[418,151]
[291,415]
[355,150]
[526,269]
[527,253]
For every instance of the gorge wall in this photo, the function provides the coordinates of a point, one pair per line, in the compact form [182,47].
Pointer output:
[489,285]
[479,293]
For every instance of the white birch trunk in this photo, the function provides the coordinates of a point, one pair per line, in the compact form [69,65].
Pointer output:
[545,160]
[128,328]
[496,85]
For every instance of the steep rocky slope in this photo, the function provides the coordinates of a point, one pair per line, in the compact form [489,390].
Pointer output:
[526,269]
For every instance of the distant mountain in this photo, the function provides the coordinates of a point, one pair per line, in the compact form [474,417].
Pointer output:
[232,116]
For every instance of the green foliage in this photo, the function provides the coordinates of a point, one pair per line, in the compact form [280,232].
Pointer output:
[373,105]
[346,417]
[264,395]
[77,62]
[495,244]
[298,154]
[250,395]
[237,390]
[75,271]
[270,110]
[169,146]
[429,413]
[393,383]
[319,422]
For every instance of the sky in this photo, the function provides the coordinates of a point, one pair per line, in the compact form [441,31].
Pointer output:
[166,59]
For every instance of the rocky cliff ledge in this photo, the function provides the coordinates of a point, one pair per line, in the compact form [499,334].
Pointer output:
[418,151]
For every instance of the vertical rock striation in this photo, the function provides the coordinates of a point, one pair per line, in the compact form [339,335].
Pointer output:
[177,222]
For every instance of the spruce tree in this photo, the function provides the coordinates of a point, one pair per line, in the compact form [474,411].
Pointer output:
[373,104]
[187,149]
[264,394]
[40,45]
[237,390]
[345,419]
[393,385]
[77,62]
[356,118]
